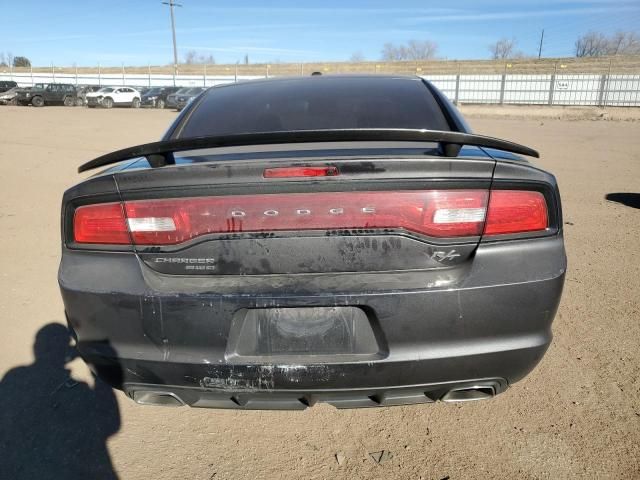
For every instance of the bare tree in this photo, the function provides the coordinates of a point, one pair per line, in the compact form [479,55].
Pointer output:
[504,48]
[421,50]
[21,62]
[194,58]
[357,57]
[623,43]
[592,44]
[391,53]
[6,59]
[414,50]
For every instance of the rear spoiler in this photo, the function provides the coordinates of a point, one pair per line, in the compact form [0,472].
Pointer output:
[161,153]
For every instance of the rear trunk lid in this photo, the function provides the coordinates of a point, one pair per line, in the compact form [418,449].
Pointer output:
[320,209]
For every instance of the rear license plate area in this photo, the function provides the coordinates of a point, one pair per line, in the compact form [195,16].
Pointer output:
[312,333]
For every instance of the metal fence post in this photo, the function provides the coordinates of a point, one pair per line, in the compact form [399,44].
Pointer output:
[31,73]
[552,85]
[123,80]
[99,75]
[53,73]
[603,82]
[502,84]
[76,66]
[149,75]
[456,97]
[204,76]
[10,71]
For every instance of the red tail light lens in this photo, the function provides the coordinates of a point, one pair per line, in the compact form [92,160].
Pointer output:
[451,213]
[101,223]
[434,213]
[516,211]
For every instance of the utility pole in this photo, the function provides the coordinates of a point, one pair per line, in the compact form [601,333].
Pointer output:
[540,47]
[172,4]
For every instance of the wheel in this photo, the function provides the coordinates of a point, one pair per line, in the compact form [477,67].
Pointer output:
[79,102]
[135,103]
[160,103]
[68,102]
[37,102]
[107,102]
[13,101]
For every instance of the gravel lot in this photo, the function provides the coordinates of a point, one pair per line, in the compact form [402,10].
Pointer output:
[576,415]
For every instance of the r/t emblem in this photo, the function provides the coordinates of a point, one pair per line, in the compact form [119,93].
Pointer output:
[441,255]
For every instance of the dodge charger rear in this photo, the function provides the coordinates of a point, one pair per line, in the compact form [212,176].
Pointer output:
[325,239]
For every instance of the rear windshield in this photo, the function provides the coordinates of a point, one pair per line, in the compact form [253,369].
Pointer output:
[316,103]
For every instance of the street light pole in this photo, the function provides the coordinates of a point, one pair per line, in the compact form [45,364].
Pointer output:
[172,4]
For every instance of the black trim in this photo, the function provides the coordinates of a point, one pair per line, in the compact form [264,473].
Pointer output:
[161,153]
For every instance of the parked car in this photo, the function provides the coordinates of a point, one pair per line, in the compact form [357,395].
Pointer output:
[183,100]
[172,99]
[9,97]
[157,97]
[48,94]
[108,97]
[82,93]
[6,85]
[340,239]
[142,90]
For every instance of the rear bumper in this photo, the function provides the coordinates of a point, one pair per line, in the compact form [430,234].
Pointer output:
[488,323]
[478,389]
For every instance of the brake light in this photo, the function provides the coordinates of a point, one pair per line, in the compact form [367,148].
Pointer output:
[289,172]
[101,223]
[516,211]
[436,213]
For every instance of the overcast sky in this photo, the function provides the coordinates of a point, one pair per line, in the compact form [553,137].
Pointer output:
[137,32]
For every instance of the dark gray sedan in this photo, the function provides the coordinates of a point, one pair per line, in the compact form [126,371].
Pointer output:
[182,100]
[339,239]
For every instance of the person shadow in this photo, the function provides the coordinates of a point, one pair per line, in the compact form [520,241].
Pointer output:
[51,425]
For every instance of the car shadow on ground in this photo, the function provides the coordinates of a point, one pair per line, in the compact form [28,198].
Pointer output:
[52,426]
[628,199]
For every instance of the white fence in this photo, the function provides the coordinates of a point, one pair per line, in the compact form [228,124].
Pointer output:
[551,89]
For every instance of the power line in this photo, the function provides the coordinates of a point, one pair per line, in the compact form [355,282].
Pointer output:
[172,4]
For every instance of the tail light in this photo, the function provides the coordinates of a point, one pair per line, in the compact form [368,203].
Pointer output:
[433,213]
[516,211]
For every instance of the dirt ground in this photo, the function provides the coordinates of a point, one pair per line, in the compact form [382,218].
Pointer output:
[576,416]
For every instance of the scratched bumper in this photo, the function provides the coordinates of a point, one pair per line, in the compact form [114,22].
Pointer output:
[142,330]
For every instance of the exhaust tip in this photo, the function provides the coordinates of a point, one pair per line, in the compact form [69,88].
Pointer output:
[469,394]
[163,399]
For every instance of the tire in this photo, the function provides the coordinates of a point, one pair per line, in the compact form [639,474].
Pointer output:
[135,103]
[68,102]
[160,103]
[13,101]
[37,102]
[79,102]
[107,102]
